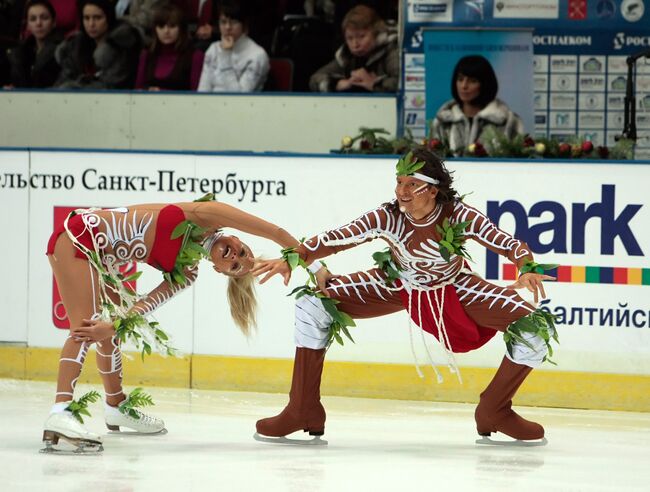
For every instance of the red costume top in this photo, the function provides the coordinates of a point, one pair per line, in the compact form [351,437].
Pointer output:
[119,234]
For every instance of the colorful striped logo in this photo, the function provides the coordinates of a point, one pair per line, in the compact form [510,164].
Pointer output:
[590,274]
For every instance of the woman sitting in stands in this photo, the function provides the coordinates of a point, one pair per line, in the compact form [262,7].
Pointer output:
[475,107]
[103,55]
[171,64]
[367,62]
[236,63]
[32,62]
[86,253]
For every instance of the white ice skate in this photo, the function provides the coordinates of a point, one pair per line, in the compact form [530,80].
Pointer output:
[142,424]
[62,425]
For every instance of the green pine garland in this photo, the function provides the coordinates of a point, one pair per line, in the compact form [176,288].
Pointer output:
[137,398]
[539,322]
[80,407]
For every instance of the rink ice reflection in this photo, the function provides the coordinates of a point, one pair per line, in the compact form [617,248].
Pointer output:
[373,445]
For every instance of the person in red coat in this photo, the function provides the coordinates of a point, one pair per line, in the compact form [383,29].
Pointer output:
[170,63]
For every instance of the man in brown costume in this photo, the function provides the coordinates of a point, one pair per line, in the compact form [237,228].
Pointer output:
[437,288]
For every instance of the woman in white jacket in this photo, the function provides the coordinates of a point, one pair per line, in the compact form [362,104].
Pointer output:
[461,120]
[236,63]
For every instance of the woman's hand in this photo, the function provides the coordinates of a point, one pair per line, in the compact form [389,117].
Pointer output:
[362,78]
[343,85]
[92,331]
[532,282]
[272,267]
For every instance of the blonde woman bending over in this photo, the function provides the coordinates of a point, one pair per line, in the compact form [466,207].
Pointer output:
[85,254]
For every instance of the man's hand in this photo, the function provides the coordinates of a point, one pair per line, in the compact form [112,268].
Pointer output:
[92,331]
[272,267]
[532,282]
[323,276]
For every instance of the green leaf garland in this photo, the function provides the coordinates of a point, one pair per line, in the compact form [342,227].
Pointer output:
[408,165]
[533,267]
[452,240]
[384,261]
[340,320]
[539,322]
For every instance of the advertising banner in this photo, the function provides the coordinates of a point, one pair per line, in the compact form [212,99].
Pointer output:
[580,72]
[592,222]
[444,49]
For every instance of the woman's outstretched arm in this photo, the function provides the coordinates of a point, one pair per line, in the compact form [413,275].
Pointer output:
[217,215]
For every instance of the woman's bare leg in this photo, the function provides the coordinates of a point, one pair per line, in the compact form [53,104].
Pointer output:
[78,288]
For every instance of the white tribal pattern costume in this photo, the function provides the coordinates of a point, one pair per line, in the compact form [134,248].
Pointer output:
[428,284]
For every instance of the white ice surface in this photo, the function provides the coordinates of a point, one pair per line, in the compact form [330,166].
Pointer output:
[374,445]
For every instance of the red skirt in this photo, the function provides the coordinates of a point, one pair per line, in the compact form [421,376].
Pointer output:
[463,332]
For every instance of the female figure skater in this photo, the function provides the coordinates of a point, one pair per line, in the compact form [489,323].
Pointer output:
[84,254]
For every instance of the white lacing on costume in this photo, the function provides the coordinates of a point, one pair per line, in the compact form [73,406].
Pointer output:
[115,356]
[125,238]
[368,282]
[424,266]
[484,229]
[423,269]
[499,294]
[81,357]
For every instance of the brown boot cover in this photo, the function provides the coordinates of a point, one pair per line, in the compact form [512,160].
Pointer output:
[494,412]
[304,410]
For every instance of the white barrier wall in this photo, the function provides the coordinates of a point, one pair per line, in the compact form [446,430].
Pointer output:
[188,121]
[579,214]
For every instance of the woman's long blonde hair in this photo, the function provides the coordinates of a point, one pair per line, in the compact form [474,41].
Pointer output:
[243,302]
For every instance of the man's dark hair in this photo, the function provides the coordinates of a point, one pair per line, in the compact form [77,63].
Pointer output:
[477,67]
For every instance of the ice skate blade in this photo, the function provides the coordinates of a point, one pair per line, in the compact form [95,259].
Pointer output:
[485,440]
[116,430]
[316,441]
[82,447]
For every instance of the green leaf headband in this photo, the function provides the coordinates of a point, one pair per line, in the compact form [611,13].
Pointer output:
[409,165]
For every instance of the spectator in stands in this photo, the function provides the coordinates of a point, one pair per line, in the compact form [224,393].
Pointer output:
[235,63]
[103,55]
[475,107]
[368,61]
[202,18]
[32,62]
[140,13]
[171,63]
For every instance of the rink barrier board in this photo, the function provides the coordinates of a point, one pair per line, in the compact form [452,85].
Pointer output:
[564,389]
